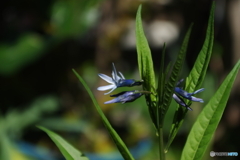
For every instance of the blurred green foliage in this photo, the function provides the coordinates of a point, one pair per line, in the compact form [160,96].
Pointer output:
[68,19]
[73,17]
[14,57]
[15,122]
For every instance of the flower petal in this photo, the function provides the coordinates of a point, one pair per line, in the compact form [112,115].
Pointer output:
[182,92]
[131,98]
[195,99]
[115,100]
[121,75]
[114,73]
[179,82]
[116,78]
[181,102]
[106,78]
[104,88]
[126,96]
[111,90]
[197,91]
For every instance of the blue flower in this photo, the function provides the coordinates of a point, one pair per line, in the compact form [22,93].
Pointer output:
[126,96]
[117,81]
[187,95]
[180,101]
[184,94]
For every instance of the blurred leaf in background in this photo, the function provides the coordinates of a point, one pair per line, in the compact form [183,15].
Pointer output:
[15,122]
[14,57]
[73,17]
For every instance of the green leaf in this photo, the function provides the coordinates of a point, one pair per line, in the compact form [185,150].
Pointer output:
[171,82]
[68,151]
[196,76]
[117,140]
[160,93]
[145,65]
[160,89]
[198,72]
[144,56]
[161,77]
[207,122]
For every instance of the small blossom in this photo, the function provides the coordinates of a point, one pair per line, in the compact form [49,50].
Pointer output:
[117,81]
[187,95]
[180,101]
[126,96]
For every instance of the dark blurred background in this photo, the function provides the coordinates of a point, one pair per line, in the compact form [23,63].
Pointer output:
[41,41]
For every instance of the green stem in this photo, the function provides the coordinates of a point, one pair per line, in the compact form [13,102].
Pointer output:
[160,143]
[160,136]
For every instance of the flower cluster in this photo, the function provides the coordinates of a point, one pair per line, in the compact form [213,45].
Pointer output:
[118,80]
[180,94]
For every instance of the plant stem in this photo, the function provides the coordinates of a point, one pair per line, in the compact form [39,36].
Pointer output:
[160,143]
[160,136]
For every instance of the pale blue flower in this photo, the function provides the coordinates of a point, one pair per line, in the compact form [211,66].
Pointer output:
[187,95]
[180,101]
[180,94]
[117,81]
[126,96]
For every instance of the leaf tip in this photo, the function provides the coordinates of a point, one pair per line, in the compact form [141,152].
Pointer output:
[140,7]
[41,128]
[73,70]
[139,10]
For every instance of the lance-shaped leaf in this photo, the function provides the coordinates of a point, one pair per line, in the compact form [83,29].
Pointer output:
[160,93]
[196,76]
[171,82]
[161,84]
[207,122]
[68,151]
[117,140]
[145,65]
[198,72]
[161,77]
